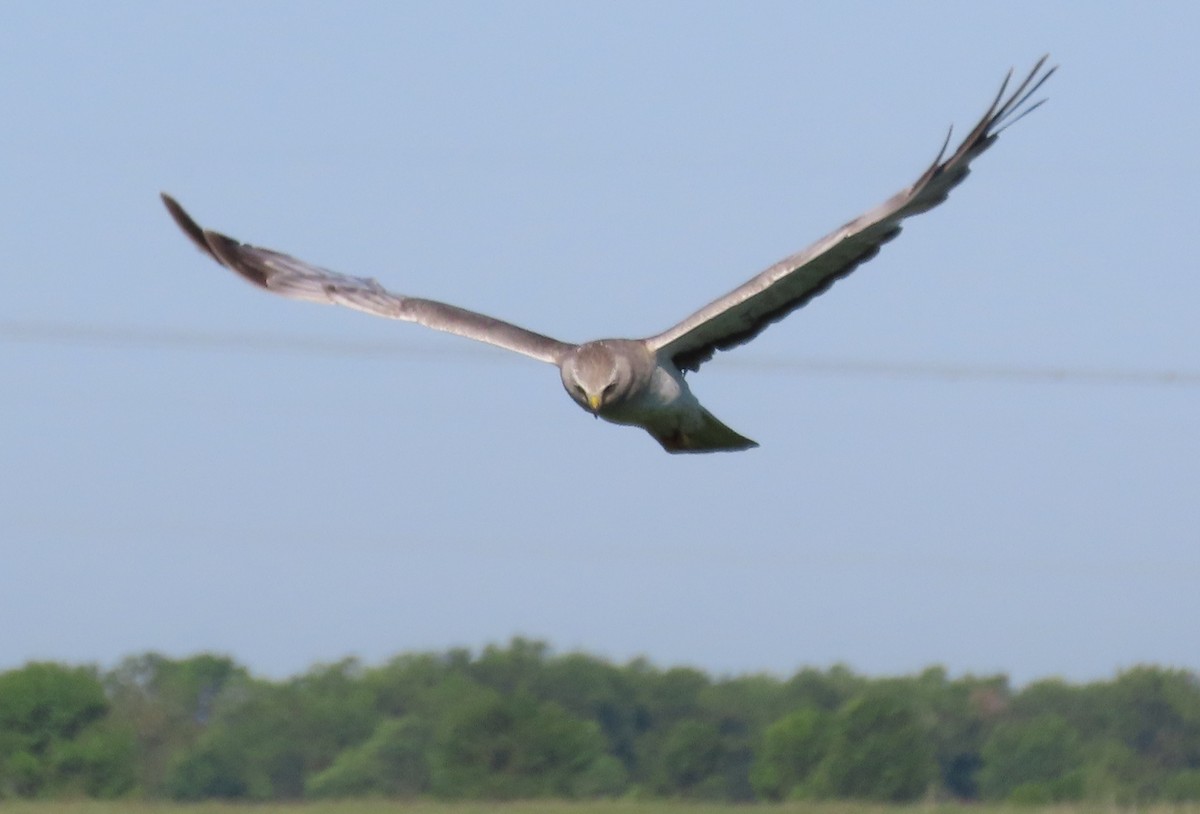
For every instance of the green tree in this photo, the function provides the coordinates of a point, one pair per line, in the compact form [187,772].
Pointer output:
[592,689]
[959,714]
[1183,787]
[691,754]
[42,703]
[512,669]
[674,695]
[1114,774]
[879,749]
[406,684]
[166,704]
[791,750]
[826,690]
[391,763]
[1156,713]
[1086,708]
[1035,760]
[54,737]
[266,743]
[518,721]
[742,708]
[99,762]
[516,747]
[216,768]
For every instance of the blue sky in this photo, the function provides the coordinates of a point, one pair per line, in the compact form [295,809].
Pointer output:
[192,465]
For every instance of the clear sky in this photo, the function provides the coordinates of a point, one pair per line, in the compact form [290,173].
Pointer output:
[192,465]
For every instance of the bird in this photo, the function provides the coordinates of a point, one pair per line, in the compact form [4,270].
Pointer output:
[641,382]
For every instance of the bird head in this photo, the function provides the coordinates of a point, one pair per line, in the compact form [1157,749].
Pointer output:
[595,377]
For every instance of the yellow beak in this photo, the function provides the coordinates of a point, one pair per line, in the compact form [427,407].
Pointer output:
[594,400]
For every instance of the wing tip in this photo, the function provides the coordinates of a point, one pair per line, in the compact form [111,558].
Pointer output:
[1006,109]
[221,248]
[187,225]
[1012,110]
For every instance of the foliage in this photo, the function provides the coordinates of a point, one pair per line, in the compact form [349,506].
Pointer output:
[520,722]
[166,705]
[1033,761]
[513,747]
[54,737]
[879,749]
[791,750]
[392,763]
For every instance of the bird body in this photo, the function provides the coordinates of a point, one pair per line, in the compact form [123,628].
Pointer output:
[640,382]
[623,381]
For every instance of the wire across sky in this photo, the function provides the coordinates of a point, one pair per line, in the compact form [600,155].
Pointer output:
[158,338]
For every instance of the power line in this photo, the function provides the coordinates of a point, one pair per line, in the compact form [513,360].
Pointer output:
[142,338]
[149,338]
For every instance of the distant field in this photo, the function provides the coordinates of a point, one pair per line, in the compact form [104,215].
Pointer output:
[553,807]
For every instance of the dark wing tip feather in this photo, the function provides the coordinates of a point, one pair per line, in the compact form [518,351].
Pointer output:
[189,227]
[997,117]
[1021,95]
[935,165]
[222,248]
[1006,109]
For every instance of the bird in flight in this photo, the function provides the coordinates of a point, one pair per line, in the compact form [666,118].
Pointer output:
[641,382]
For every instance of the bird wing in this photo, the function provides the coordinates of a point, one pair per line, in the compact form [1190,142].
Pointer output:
[746,311]
[289,277]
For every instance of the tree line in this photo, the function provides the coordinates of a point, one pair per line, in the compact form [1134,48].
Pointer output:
[521,722]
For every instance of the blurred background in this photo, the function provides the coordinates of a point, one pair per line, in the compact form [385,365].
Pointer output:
[979,451]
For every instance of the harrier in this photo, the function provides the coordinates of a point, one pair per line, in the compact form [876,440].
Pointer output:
[641,381]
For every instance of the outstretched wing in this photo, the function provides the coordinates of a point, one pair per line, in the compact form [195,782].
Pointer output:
[289,277]
[746,311]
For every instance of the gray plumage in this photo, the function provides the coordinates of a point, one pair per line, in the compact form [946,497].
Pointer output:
[641,381]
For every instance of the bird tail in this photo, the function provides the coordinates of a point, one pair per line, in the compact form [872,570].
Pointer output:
[710,436]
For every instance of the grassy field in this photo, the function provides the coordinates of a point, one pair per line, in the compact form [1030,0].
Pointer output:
[550,807]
